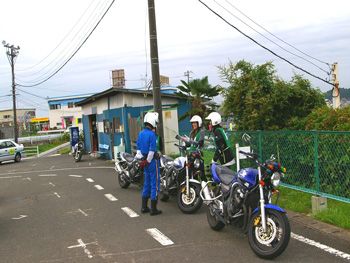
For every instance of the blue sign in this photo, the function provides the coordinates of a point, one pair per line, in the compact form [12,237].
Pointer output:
[74,134]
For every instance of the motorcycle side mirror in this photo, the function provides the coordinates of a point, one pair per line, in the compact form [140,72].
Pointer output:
[246,138]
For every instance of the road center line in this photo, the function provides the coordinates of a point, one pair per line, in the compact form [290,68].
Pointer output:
[47,175]
[159,236]
[90,180]
[321,246]
[111,197]
[99,187]
[129,212]
[57,195]
[73,175]
[10,177]
[81,211]
[52,184]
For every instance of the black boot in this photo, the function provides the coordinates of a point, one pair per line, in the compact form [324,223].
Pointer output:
[144,208]
[154,210]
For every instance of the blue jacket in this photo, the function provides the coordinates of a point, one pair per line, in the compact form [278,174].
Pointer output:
[147,141]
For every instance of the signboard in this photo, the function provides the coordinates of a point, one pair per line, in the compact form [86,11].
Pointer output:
[74,134]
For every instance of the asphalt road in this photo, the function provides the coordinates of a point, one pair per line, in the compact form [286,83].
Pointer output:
[55,210]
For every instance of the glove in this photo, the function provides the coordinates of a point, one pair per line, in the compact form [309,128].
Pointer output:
[144,163]
[185,139]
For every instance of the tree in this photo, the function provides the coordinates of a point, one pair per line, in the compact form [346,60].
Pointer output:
[260,100]
[199,93]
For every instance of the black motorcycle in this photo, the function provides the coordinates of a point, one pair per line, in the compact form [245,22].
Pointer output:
[77,151]
[129,170]
[180,177]
[243,200]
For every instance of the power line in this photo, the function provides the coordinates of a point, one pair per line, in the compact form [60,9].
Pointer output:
[70,48]
[73,53]
[264,46]
[275,37]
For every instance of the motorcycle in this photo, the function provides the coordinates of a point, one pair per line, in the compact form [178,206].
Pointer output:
[77,151]
[243,200]
[180,177]
[129,170]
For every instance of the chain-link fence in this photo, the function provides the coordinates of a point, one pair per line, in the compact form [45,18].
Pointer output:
[316,162]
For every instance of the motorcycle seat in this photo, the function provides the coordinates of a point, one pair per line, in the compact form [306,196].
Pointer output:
[128,157]
[225,174]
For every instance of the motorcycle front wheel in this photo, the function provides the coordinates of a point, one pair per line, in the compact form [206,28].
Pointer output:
[77,156]
[122,181]
[189,204]
[274,241]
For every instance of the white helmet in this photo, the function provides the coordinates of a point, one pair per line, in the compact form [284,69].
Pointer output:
[151,118]
[215,118]
[198,119]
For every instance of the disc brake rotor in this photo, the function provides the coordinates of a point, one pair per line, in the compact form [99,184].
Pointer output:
[188,199]
[267,237]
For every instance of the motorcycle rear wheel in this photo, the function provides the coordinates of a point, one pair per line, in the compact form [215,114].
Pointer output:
[213,220]
[189,204]
[272,243]
[122,182]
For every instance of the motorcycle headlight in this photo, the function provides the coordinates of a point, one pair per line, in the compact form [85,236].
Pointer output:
[276,178]
[196,163]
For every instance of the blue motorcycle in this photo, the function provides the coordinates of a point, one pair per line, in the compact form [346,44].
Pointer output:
[243,200]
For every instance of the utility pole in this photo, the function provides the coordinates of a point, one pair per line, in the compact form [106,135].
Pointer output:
[335,90]
[155,68]
[187,74]
[12,52]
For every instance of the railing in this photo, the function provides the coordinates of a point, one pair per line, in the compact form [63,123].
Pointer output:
[32,151]
[317,162]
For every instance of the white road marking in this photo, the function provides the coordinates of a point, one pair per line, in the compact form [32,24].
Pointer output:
[28,178]
[10,177]
[130,212]
[111,197]
[74,175]
[20,217]
[57,195]
[47,175]
[83,245]
[52,167]
[59,169]
[321,246]
[159,236]
[52,184]
[99,187]
[90,180]
[81,211]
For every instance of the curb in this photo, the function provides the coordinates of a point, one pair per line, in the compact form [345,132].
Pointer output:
[54,150]
[328,229]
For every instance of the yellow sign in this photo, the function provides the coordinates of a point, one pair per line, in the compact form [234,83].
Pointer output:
[39,119]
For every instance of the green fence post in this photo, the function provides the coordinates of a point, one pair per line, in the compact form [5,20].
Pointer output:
[316,163]
[260,150]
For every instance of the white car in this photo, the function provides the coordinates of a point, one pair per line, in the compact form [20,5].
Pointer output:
[9,150]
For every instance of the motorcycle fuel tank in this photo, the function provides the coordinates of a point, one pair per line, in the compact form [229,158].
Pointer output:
[247,176]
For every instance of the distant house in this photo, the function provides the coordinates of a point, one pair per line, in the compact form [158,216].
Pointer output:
[24,117]
[114,117]
[63,112]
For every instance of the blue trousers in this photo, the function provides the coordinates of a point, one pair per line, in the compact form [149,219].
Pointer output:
[152,180]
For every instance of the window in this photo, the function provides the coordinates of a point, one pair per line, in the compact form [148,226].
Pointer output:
[80,120]
[7,116]
[70,105]
[55,106]
[116,125]
[106,127]
[58,123]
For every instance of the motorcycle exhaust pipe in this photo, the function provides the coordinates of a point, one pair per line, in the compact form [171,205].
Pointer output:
[205,190]
[217,213]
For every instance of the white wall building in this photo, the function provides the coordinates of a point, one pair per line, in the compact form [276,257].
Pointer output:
[63,113]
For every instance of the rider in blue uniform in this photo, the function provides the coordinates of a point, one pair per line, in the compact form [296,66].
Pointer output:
[147,149]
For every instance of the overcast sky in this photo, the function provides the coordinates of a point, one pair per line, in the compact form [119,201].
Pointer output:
[190,38]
